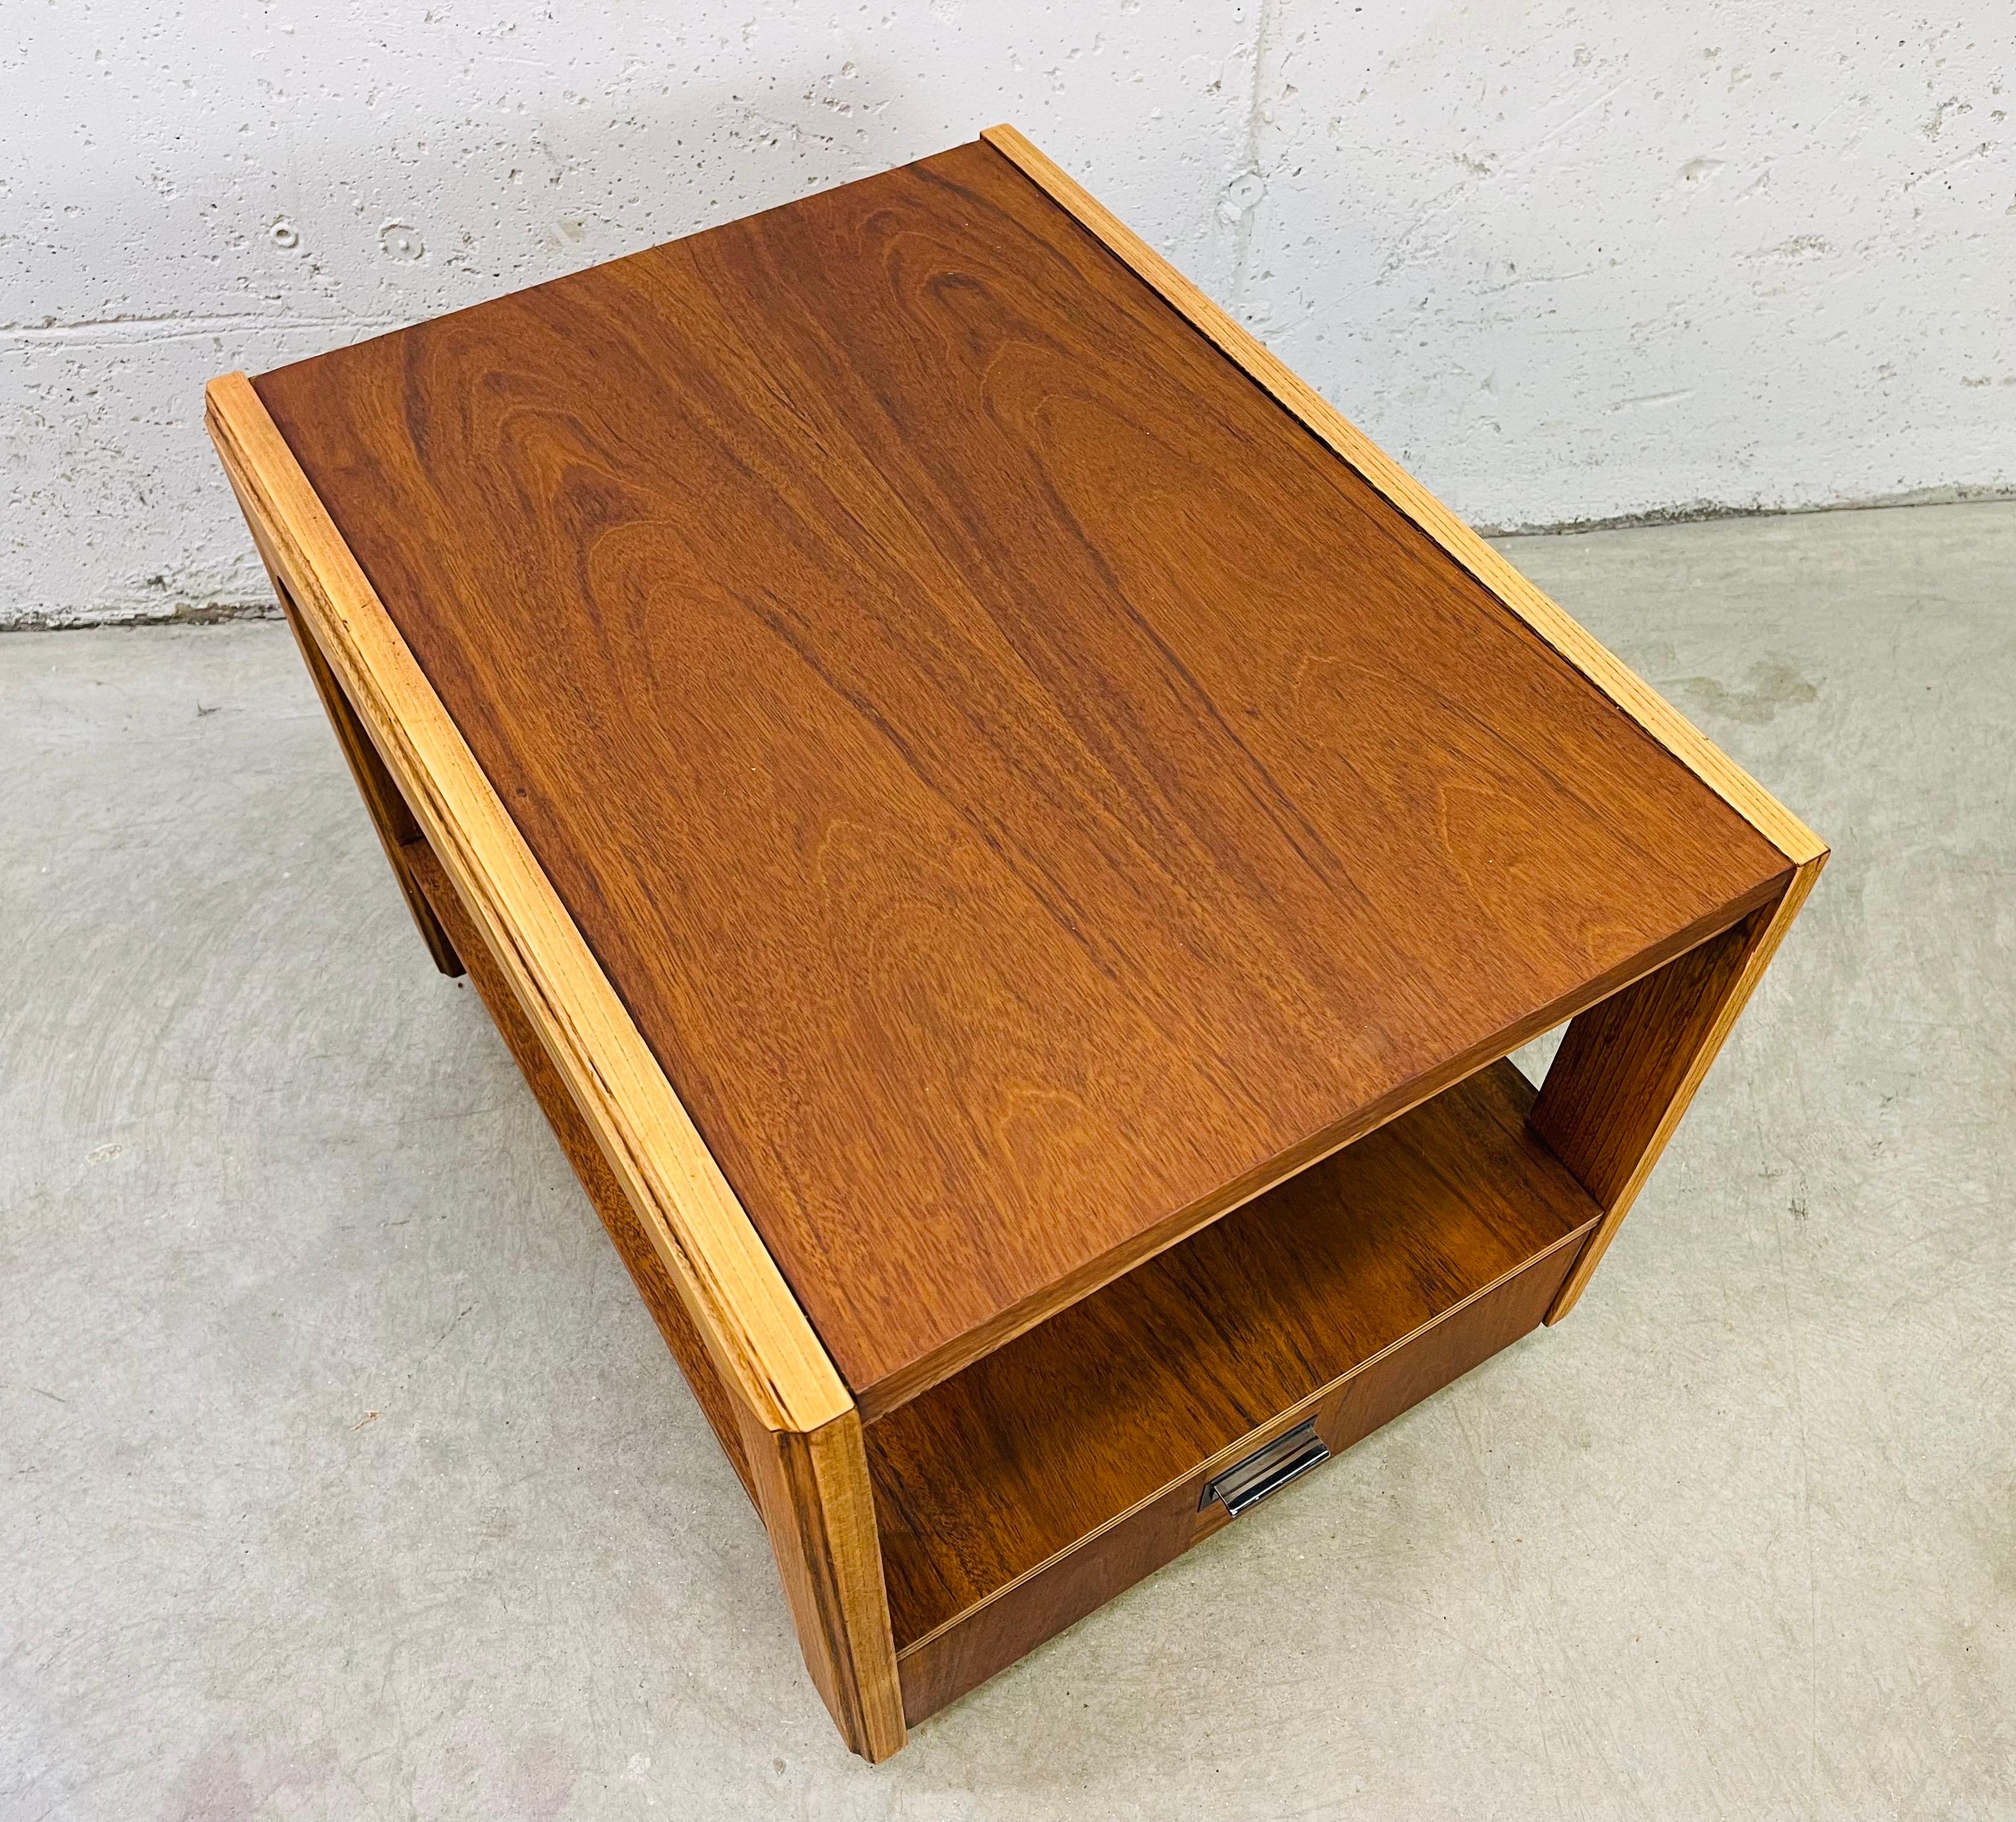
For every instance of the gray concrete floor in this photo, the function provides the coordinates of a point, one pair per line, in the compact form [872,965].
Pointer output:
[345,1476]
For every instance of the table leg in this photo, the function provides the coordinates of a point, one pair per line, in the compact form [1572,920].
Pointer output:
[390,816]
[1629,1067]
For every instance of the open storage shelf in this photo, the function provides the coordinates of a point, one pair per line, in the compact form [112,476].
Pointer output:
[1022,1493]
[1122,1402]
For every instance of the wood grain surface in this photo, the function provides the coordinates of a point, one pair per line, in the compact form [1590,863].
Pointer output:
[1627,1069]
[986,1638]
[993,1472]
[1030,793]
[1632,696]
[813,1491]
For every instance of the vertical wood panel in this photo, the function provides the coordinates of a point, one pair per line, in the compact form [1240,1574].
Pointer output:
[389,817]
[1627,1068]
[589,1165]
[814,1492]
[800,1429]
[754,1330]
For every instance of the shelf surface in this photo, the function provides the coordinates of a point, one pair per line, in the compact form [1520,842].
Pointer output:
[990,1473]
[1030,793]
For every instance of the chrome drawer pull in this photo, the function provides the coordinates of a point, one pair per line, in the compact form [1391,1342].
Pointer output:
[1246,1483]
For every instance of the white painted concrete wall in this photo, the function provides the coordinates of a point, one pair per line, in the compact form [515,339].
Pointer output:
[1570,262]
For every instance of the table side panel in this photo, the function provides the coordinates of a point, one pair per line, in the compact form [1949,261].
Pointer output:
[799,1431]
[813,1492]
[818,1479]
[390,816]
[1628,1070]
[815,1478]
[646,1271]
[758,1334]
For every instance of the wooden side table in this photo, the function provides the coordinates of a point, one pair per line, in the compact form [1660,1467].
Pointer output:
[1012,845]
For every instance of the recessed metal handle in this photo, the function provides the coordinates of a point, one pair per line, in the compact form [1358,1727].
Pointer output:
[1268,1470]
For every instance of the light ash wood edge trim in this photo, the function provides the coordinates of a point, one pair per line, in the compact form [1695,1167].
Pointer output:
[1754,962]
[763,1344]
[1631,694]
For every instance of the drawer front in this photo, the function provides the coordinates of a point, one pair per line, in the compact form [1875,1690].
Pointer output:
[944,1665]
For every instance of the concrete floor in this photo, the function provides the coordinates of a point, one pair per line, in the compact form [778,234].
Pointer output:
[344,1475]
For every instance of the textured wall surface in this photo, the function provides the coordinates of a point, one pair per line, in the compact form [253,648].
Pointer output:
[1571,263]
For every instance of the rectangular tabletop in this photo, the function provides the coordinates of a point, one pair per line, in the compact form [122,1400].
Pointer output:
[1029,792]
